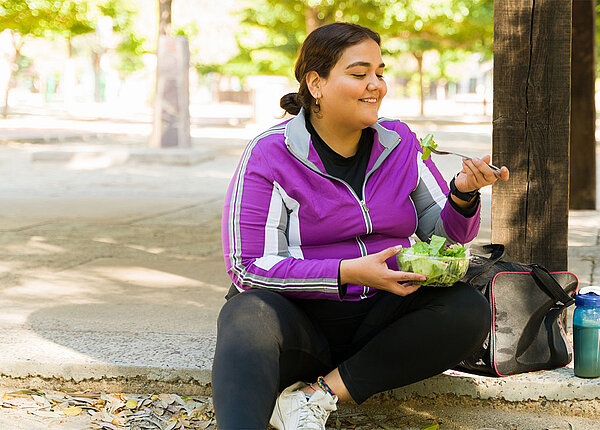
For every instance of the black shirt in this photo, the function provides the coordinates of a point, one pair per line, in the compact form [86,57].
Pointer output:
[349,169]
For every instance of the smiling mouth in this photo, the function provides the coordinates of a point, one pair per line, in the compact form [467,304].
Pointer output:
[371,100]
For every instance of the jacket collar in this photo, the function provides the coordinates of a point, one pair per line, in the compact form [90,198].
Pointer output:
[297,140]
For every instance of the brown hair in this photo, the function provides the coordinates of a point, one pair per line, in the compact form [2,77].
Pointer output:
[320,52]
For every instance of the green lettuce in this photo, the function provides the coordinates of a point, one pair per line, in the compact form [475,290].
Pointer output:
[426,145]
[443,265]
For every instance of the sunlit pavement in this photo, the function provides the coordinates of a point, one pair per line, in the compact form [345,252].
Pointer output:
[111,270]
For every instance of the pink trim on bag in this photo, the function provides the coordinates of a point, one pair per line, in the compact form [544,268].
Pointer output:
[493,329]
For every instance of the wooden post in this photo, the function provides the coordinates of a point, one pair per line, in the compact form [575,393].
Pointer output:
[583,107]
[532,52]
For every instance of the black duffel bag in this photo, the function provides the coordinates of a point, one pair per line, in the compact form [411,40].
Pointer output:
[527,304]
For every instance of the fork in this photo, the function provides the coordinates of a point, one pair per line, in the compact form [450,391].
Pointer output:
[438,152]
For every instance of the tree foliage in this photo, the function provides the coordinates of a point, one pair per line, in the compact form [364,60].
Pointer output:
[71,18]
[45,18]
[273,30]
[131,45]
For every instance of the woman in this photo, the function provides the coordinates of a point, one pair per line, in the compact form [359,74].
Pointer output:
[314,216]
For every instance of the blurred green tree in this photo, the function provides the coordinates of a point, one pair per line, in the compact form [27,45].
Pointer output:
[23,20]
[128,45]
[453,28]
[273,30]
[68,19]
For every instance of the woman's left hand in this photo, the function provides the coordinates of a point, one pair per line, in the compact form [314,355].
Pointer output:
[476,174]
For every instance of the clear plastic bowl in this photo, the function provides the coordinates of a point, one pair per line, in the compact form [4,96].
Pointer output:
[440,271]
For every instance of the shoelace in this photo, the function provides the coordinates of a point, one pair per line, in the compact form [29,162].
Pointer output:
[312,416]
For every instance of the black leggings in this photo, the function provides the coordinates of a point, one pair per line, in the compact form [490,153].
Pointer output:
[266,342]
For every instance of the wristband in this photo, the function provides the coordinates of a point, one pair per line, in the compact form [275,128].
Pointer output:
[465,197]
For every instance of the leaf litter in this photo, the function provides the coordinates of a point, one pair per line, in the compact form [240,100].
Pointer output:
[117,411]
[157,411]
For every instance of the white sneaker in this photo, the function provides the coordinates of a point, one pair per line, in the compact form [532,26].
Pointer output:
[293,411]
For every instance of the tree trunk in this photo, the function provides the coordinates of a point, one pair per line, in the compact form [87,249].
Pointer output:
[11,73]
[419,57]
[68,80]
[532,51]
[8,85]
[312,19]
[164,17]
[583,108]
[98,84]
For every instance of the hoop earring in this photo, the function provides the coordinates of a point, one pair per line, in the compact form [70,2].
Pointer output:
[317,109]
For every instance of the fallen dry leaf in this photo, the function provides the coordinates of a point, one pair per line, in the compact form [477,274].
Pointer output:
[72,411]
[131,404]
[118,411]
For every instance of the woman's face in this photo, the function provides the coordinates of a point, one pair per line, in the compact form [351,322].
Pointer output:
[352,93]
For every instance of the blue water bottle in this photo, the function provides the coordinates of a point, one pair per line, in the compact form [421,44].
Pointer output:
[586,332]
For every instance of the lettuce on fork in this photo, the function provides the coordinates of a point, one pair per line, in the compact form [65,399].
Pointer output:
[442,264]
[426,145]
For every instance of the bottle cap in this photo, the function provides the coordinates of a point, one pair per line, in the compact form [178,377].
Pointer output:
[588,296]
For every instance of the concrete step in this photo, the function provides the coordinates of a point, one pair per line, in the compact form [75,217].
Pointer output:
[109,155]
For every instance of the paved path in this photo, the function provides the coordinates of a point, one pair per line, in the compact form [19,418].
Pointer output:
[111,274]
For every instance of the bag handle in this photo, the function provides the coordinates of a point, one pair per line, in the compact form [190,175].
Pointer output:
[496,251]
[546,279]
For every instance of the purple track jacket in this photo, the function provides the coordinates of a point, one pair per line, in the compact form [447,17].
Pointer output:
[287,224]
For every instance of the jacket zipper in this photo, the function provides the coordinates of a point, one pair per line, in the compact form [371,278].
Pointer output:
[363,207]
[361,244]
[365,211]
[361,203]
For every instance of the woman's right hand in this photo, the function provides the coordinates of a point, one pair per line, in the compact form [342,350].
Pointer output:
[372,271]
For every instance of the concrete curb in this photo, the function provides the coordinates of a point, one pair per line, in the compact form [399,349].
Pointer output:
[82,374]
[121,155]
[51,137]
[551,385]
[557,384]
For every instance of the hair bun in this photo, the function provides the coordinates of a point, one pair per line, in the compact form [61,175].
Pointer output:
[291,103]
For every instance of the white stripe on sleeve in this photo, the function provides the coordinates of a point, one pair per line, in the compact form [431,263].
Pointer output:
[431,183]
[294,238]
[268,261]
[271,246]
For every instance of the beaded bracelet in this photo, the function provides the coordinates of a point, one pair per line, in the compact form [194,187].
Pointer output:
[323,385]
